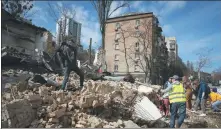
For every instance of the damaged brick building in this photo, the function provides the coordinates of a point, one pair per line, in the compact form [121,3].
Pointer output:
[22,36]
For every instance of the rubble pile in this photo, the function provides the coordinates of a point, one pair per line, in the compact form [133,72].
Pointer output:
[100,104]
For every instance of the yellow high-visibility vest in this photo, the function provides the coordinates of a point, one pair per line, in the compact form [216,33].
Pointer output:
[177,94]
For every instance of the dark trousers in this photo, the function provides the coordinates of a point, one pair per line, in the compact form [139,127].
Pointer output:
[67,71]
[200,102]
[175,107]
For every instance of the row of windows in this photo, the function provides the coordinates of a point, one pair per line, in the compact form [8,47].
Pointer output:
[118,35]
[136,46]
[136,68]
[137,23]
[117,57]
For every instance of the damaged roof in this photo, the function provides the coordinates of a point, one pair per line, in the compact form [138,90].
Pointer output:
[6,16]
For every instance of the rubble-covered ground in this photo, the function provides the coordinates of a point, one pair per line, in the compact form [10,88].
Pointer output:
[100,104]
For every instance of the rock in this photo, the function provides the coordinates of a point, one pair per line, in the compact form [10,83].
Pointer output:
[66,121]
[53,120]
[48,99]
[70,107]
[119,122]
[114,124]
[8,86]
[95,104]
[73,123]
[159,124]
[64,105]
[41,126]
[41,112]
[23,82]
[7,96]
[130,124]
[95,122]
[82,122]
[35,123]
[108,126]
[52,114]
[35,100]
[79,126]
[49,125]
[18,114]
[71,102]
[43,91]
[58,113]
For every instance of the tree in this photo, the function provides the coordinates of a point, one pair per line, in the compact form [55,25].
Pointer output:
[203,60]
[17,8]
[217,74]
[104,11]
[61,11]
[191,68]
[143,58]
[124,34]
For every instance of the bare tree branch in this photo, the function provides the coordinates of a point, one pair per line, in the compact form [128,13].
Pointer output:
[203,60]
[103,10]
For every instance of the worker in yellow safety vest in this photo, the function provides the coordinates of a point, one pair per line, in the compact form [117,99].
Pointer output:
[177,99]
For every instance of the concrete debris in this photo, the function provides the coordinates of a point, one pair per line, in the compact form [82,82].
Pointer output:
[18,114]
[80,109]
[100,104]
[130,124]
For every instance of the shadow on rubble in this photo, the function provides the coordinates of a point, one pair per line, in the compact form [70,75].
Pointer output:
[111,113]
[25,67]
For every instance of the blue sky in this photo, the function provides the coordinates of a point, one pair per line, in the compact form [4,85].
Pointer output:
[195,24]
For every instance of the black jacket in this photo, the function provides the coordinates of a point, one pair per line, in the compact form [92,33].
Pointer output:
[68,54]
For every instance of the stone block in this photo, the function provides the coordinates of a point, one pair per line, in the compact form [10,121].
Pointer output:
[18,114]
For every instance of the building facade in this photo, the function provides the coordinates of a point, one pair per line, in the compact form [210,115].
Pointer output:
[21,35]
[172,48]
[123,43]
[68,27]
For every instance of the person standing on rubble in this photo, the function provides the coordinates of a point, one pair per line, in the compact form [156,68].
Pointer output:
[165,97]
[188,90]
[177,99]
[202,96]
[67,57]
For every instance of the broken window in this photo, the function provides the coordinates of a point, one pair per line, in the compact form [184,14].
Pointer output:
[137,24]
[116,57]
[137,44]
[172,45]
[115,67]
[136,68]
[137,33]
[136,55]
[117,37]
[116,46]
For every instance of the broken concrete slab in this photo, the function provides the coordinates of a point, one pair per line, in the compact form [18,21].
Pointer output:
[130,124]
[18,114]
[146,110]
[35,100]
